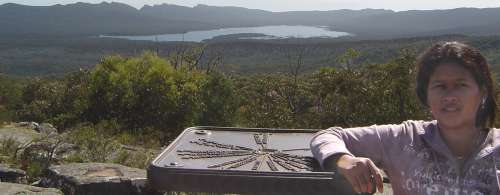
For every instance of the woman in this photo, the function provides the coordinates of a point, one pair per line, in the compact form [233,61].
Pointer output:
[453,154]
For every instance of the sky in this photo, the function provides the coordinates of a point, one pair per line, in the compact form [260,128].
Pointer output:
[294,5]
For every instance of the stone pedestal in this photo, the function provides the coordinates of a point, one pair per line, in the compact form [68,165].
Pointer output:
[97,178]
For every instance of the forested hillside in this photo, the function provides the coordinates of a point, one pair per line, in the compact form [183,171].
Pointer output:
[44,56]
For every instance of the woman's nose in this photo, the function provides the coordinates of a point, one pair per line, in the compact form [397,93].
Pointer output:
[449,98]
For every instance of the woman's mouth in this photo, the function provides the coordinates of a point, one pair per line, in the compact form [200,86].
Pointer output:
[451,109]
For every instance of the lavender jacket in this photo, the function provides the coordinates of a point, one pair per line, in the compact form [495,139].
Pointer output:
[415,157]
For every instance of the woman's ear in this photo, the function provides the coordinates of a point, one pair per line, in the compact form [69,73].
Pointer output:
[484,95]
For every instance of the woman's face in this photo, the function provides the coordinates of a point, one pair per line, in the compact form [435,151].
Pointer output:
[453,96]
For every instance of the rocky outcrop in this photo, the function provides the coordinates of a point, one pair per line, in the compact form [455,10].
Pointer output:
[29,125]
[97,178]
[17,189]
[46,129]
[9,174]
[28,140]
[19,133]
[27,131]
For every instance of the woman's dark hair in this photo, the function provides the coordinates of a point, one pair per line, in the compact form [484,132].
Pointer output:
[467,57]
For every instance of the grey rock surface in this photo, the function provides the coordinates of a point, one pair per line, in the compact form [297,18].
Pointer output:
[96,178]
[29,142]
[8,174]
[19,134]
[63,150]
[18,189]
[47,129]
[30,125]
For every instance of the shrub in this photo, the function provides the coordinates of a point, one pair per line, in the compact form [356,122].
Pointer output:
[95,142]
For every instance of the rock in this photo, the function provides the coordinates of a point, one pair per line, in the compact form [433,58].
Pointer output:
[96,178]
[47,129]
[12,175]
[37,183]
[63,150]
[16,189]
[30,125]
[52,148]
[19,134]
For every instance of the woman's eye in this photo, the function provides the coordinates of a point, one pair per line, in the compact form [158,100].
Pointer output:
[438,86]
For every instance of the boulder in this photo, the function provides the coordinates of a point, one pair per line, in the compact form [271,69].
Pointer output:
[47,129]
[19,134]
[8,174]
[29,125]
[63,150]
[16,189]
[28,143]
[96,178]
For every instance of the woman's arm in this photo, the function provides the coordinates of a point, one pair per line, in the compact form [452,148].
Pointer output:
[360,142]
[353,151]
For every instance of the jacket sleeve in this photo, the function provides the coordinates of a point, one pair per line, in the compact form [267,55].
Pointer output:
[360,142]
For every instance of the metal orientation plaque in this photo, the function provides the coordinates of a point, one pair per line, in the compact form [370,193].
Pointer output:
[242,160]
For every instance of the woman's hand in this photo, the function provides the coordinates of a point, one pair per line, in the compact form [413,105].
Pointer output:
[361,173]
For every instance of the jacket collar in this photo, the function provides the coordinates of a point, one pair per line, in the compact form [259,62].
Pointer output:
[433,138]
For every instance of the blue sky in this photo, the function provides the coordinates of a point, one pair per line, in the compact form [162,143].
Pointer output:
[293,5]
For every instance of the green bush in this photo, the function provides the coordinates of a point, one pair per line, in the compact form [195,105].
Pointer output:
[146,137]
[122,157]
[10,97]
[9,147]
[138,159]
[74,158]
[35,170]
[95,142]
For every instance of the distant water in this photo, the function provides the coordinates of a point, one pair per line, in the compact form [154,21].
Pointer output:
[267,32]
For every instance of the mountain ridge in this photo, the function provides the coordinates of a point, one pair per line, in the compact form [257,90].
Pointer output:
[113,18]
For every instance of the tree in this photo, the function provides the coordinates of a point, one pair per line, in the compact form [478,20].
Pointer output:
[220,102]
[347,59]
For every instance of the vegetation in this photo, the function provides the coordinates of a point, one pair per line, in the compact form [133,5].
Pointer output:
[147,95]
[150,95]
[59,56]
[332,96]
[10,93]
[140,94]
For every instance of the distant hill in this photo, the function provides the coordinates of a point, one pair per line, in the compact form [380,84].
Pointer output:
[116,18]
[239,17]
[85,19]
[467,21]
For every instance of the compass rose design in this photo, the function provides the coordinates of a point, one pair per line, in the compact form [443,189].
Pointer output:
[275,159]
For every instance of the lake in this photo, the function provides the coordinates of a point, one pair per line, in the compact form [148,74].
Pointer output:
[260,32]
